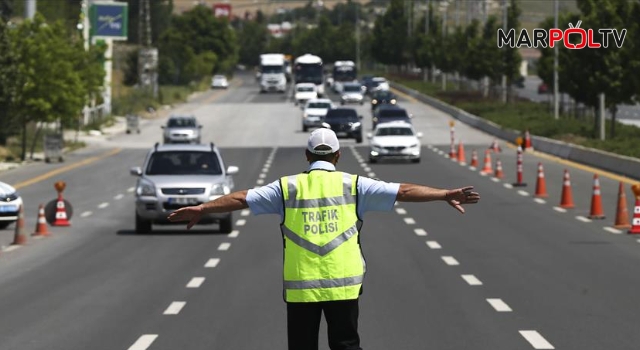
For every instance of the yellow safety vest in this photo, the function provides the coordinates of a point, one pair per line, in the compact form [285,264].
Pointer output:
[322,256]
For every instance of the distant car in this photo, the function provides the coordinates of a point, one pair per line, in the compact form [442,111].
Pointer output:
[394,140]
[543,88]
[10,203]
[182,129]
[366,81]
[175,176]
[219,82]
[314,112]
[390,113]
[382,97]
[378,84]
[304,92]
[345,122]
[351,93]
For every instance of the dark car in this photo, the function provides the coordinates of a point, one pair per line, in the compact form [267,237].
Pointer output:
[366,81]
[345,122]
[383,97]
[390,113]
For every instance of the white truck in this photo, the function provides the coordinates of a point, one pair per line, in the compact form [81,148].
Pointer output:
[272,72]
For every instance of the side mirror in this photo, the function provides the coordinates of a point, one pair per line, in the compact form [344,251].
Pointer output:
[135,171]
[232,170]
[369,135]
[419,135]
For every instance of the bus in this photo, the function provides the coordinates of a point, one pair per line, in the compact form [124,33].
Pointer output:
[308,68]
[344,72]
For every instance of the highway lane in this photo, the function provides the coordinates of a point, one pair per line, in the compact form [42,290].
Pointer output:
[97,285]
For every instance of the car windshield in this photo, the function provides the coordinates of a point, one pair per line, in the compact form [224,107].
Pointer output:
[394,132]
[391,113]
[181,123]
[305,89]
[323,105]
[342,114]
[352,88]
[219,77]
[384,95]
[184,163]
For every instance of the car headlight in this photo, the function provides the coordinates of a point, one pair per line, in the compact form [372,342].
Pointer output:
[355,125]
[373,102]
[146,188]
[220,189]
[393,101]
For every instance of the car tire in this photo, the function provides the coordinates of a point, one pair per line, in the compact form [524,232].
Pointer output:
[226,225]
[142,225]
[417,160]
[5,224]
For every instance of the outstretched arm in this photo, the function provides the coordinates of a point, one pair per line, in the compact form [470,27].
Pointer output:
[230,202]
[455,198]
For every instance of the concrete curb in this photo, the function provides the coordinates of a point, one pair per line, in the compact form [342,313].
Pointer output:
[623,165]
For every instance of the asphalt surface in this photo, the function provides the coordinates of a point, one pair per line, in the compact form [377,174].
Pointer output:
[511,273]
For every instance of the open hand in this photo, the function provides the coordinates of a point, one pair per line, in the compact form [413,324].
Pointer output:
[191,214]
[460,196]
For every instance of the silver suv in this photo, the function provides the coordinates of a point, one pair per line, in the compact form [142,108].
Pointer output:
[182,129]
[175,176]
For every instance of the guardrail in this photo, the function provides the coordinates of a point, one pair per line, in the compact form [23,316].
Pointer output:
[623,165]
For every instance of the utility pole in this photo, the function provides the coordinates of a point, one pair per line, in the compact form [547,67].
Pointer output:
[504,75]
[358,38]
[426,17]
[556,112]
[444,34]
[148,55]
[29,9]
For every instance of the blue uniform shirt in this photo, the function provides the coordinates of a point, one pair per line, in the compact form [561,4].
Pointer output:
[373,195]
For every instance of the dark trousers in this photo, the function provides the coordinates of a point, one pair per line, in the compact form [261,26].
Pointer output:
[303,324]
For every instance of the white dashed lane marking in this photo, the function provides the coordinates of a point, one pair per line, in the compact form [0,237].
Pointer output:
[420,232]
[536,340]
[245,212]
[263,175]
[451,261]
[560,210]
[539,200]
[371,175]
[241,222]
[174,308]
[85,214]
[103,205]
[583,219]
[260,181]
[195,282]
[434,245]
[409,221]
[509,186]
[472,280]
[118,197]
[523,193]
[612,230]
[131,189]
[211,263]
[494,179]
[233,234]
[367,169]
[401,211]
[499,305]
[144,342]
[224,246]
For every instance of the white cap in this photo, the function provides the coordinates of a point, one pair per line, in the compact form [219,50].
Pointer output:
[323,137]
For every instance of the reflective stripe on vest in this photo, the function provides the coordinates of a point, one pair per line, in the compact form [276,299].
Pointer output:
[323,261]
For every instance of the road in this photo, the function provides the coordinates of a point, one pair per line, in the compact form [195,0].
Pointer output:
[627,114]
[512,273]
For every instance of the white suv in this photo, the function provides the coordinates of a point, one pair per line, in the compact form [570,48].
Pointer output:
[394,140]
[175,176]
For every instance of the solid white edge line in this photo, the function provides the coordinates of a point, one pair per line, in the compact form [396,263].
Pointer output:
[233,234]
[195,282]
[420,232]
[499,305]
[241,222]
[144,342]
[224,246]
[211,263]
[536,340]
[434,245]
[401,211]
[174,308]
[613,230]
[409,221]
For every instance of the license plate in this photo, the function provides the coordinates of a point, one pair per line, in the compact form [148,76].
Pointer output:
[182,200]
[8,208]
[341,133]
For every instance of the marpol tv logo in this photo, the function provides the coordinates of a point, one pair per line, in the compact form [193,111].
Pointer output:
[568,37]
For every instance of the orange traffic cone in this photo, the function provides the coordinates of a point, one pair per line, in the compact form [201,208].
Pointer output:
[499,174]
[41,226]
[462,159]
[541,183]
[452,151]
[474,159]
[527,141]
[20,237]
[61,213]
[567,198]
[487,164]
[495,147]
[622,215]
[635,223]
[596,200]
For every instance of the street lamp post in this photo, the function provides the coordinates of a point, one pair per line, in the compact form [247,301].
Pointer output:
[555,68]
